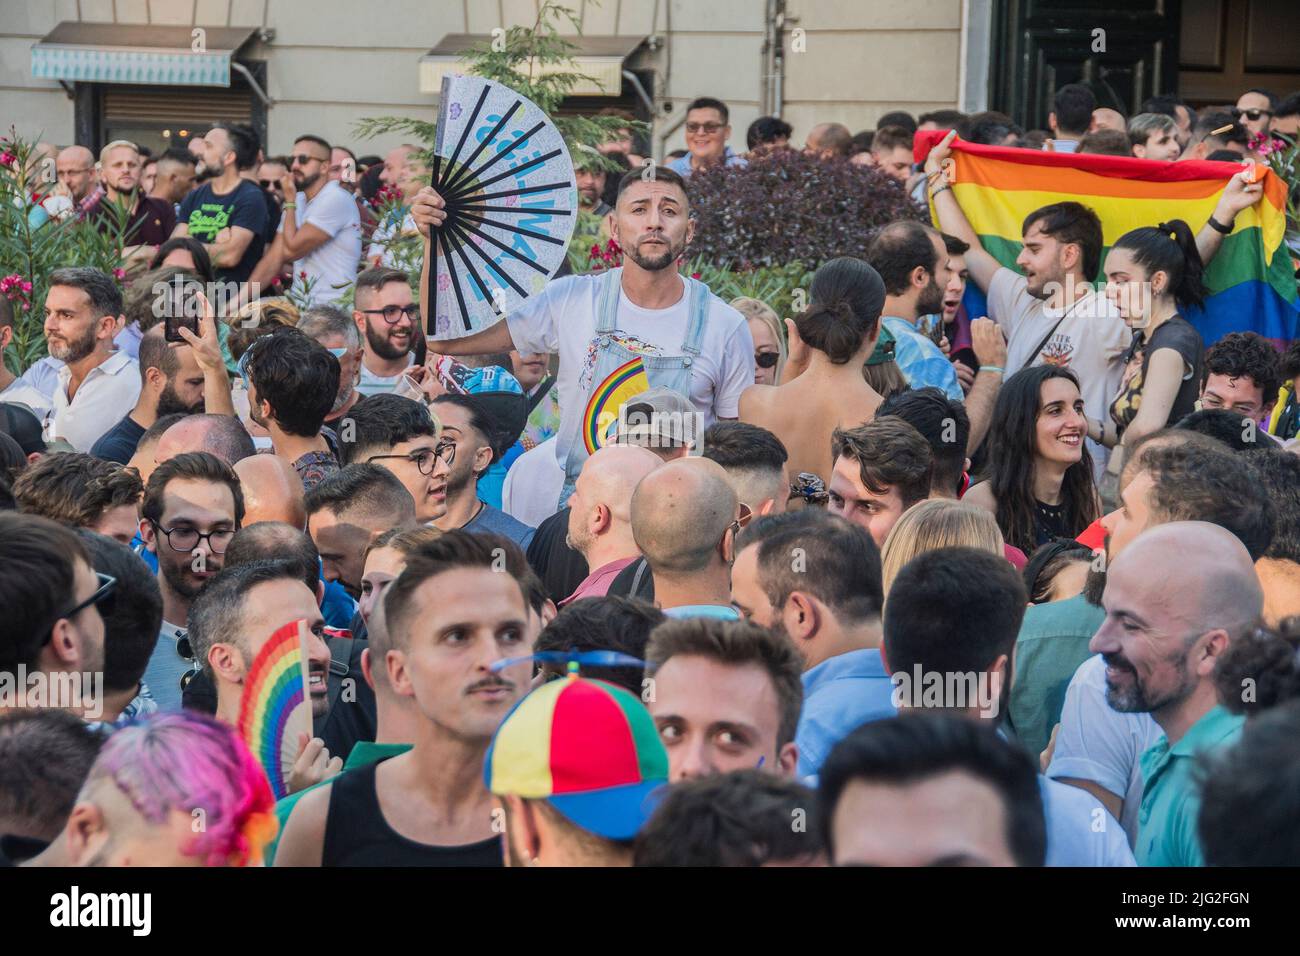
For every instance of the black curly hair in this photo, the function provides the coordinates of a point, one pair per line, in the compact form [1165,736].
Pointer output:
[1245,354]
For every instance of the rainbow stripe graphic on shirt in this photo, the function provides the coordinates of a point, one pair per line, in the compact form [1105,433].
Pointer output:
[625,382]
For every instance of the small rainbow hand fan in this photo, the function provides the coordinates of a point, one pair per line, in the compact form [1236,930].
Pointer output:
[274,708]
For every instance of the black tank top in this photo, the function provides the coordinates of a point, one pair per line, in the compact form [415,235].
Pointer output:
[356,833]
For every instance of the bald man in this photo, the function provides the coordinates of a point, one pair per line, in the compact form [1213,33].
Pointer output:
[684,522]
[600,514]
[75,168]
[221,435]
[1105,118]
[827,140]
[1161,638]
[272,491]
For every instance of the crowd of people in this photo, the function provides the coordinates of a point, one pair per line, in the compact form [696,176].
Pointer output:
[883,583]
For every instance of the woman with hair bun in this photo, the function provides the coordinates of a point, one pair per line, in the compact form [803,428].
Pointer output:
[822,387]
[1153,275]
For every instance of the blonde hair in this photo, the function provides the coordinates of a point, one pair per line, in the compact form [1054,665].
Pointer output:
[937,523]
[256,319]
[760,311]
[103,153]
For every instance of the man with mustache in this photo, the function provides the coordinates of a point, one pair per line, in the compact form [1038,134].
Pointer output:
[1161,639]
[83,312]
[385,314]
[148,222]
[453,620]
[193,505]
[171,383]
[691,341]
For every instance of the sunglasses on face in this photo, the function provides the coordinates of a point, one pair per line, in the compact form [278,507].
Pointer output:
[392,313]
[102,596]
[766,359]
[709,128]
[269,184]
[1252,115]
[302,159]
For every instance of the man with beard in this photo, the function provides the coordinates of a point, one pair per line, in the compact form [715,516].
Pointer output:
[171,383]
[1172,475]
[193,506]
[692,342]
[816,579]
[912,259]
[930,601]
[1161,639]
[453,620]
[148,222]
[385,313]
[320,231]
[1051,312]
[83,312]
[335,330]
[600,515]
[293,382]
[230,622]
[227,213]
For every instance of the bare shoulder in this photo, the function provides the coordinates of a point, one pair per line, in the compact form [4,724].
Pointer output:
[981,495]
[303,840]
[754,402]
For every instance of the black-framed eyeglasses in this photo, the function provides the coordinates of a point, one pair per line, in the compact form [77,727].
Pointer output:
[426,458]
[392,313]
[102,595]
[302,159]
[185,540]
[766,359]
[709,128]
[1252,115]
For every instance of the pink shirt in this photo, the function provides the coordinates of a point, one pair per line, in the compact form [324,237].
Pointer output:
[596,584]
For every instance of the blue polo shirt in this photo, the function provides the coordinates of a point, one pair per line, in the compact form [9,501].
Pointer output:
[840,695]
[1171,798]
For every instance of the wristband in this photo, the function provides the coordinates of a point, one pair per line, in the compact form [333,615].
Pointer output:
[993,368]
[1218,226]
[935,192]
[289,205]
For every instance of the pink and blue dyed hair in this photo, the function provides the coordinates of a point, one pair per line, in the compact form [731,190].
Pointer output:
[187,762]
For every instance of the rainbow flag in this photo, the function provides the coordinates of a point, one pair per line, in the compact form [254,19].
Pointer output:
[1251,279]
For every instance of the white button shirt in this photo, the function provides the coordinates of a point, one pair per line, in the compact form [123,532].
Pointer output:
[109,392]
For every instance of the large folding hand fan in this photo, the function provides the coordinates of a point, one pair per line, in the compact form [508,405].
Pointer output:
[274,708]
[506,176]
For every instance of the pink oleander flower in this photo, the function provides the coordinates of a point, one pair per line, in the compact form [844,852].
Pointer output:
[119,274]
[7,159]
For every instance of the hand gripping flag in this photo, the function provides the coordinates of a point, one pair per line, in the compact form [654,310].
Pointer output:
[1251,280]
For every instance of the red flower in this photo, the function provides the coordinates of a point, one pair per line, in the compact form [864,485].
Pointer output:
[7,158]
[303,275]
[119,274]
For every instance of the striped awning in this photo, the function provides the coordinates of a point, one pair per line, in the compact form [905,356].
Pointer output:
[138,54]
[599,58]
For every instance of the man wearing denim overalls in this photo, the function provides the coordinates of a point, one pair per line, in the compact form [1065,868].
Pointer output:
[685,338]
